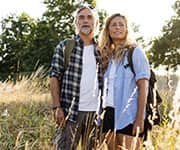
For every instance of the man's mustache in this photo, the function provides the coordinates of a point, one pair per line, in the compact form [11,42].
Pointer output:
[85,26]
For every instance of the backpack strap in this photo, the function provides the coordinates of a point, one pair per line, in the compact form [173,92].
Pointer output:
[69,45]
[130,60]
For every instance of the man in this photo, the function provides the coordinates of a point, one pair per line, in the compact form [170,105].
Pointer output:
[75,90]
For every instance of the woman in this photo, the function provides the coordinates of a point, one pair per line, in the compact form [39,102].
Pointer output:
[123,90]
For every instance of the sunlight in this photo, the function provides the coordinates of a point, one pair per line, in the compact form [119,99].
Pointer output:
[150,15]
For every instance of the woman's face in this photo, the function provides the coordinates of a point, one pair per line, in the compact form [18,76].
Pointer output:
[117,28]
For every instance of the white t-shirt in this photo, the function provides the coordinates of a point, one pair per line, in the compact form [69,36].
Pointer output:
[89,83]
[108,83]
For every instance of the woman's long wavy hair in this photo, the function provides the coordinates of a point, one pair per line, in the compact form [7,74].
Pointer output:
[106,46]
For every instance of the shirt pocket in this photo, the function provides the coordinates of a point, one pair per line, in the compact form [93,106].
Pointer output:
[128,74]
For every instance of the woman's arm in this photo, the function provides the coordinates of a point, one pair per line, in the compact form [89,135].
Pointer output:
[141,107]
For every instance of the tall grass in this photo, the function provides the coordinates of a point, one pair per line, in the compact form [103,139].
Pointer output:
[26,88]
[167,136]
[25,115]
[26,121]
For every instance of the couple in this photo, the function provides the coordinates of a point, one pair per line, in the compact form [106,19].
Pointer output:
[75,89]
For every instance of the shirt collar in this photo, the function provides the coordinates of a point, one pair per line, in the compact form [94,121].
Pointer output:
[78,38]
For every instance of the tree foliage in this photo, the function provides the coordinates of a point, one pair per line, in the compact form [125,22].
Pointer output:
[14,42]
[26,43]
[166,49]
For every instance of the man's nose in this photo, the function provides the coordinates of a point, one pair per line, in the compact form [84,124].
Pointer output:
[85,19]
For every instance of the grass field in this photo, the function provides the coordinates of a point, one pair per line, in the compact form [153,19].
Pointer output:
[26,121]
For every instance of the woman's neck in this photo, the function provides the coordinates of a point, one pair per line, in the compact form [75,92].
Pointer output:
[119,43]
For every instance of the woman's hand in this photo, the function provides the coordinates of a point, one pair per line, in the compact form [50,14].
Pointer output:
[138,126]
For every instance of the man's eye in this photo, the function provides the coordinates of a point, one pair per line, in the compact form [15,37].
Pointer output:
[81,17]
[90,17]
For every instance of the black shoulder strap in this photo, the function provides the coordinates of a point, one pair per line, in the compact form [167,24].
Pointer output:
[130,60]
[69,45]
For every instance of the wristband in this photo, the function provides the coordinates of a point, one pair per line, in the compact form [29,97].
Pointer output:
[55,107]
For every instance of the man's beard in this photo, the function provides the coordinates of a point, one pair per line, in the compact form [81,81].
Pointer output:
[86,30]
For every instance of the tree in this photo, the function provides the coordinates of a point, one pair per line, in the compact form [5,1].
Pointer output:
[102,15]
[57,22]
[14,42]
[166,49]
[26,43]
[138,35]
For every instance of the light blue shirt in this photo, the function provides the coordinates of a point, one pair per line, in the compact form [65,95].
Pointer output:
[125,88]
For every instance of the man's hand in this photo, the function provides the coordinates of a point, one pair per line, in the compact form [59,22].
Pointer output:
[59,117]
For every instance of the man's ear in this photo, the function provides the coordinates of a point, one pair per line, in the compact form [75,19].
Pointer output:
[97,23]
[96,26]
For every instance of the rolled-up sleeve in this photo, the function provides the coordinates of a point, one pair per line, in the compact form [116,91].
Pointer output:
[141,65]
[57,64]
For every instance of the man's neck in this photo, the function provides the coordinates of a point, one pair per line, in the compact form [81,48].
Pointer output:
[87,39]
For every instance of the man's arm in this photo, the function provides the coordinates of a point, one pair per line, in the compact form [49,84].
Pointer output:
[55,92]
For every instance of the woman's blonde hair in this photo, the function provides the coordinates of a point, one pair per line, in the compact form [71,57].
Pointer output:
[106,45]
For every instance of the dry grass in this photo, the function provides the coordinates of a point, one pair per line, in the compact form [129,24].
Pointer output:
[167,136]
[26,120]
[25,113]
[27,88]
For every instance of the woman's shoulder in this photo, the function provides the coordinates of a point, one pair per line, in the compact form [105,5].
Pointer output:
[138,51]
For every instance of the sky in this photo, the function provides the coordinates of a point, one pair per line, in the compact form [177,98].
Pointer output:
[151,15]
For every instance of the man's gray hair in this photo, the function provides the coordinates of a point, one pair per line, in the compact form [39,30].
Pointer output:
[92,10]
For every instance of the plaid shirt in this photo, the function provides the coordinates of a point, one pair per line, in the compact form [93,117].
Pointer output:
[71,77]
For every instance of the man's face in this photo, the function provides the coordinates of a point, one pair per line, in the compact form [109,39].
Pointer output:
[85,22]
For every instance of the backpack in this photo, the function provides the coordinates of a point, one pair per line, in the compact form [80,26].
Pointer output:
[69,45]
[154,99]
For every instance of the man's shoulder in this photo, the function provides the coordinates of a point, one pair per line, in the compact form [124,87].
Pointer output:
[70,40]
[61,44]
